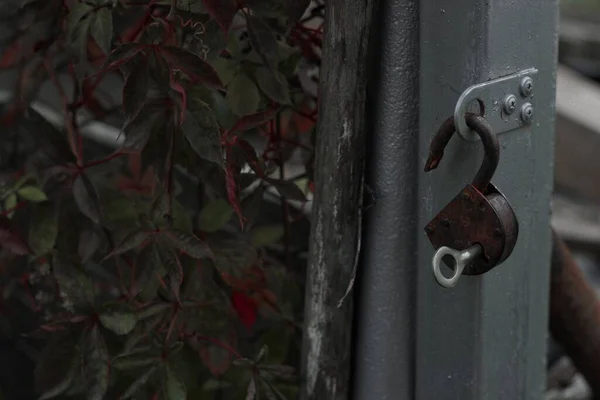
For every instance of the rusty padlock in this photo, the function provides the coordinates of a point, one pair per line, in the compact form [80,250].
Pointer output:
[478,229]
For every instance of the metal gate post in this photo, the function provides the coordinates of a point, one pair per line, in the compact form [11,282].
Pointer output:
[486,337]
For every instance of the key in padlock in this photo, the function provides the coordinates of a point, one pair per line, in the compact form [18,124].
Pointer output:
[478,229]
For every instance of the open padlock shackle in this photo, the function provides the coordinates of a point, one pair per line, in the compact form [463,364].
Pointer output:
[491,148]
[480,182]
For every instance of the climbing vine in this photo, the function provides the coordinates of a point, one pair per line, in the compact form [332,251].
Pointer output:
[169,266]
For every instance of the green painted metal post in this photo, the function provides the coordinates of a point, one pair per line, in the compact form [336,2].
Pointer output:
[486,337]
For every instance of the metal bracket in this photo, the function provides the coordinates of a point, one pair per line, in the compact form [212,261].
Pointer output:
[506,103]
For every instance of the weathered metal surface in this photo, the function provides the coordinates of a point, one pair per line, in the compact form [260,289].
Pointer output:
[479,214]
[575,314]
[485,338]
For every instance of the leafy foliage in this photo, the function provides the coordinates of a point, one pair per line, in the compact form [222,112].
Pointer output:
[160,269]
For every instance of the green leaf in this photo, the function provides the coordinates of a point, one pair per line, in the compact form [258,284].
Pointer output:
[138,384]
[89,243]
[139,129]
[118,317]
[33,194]
[43,229]
[263,40]
[202,131]
[266,235]
[175,388]
[102,29]
[193,66]
[153,310]
[226,68]
[131,241]
[135,89]
[72,280]
[288,189]
[223,11]
[9,204]
[273,85]
[174,269]
[96,365]
[134,360]
[148,264]
[57,365]
[77,12]
[214,215]
[87,198]
[243,96]
[121,54]
[187,243]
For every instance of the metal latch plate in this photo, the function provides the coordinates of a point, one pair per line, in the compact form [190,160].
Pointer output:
[507,102]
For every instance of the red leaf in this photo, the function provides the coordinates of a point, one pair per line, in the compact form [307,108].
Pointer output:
[222,11]
[11,240]
[231,185]
[254,120]
[246,308]
[11,55]
[195,67]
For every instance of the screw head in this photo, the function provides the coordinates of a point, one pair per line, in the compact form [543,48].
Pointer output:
[510,103]
[526,86]
[527,113]
[445,222]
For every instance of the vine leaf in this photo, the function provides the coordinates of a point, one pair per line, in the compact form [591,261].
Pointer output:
[223,11]
[243,96]
[232,185]
[32,194]
[57,366]
[102,29]
[193,66]
[11,240]
[254,120]
[174,269]
[175,388]
[188,244]
[135,89]
[138,384]
[72,281]
[202,131]
[139,129]
[274,85]
[89,242]
[87,198]
[43,229]
[263,40]
[214,215]
[121,55]
[118,317]
[266,234]
[131,241]
[96,365]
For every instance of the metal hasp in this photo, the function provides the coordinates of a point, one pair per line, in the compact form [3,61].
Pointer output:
[499,99]
[478,216]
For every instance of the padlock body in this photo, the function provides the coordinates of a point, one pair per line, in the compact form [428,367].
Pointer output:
[474,218]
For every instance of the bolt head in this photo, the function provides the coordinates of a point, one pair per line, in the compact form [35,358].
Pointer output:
[527,113]
[526,86]
[429,229]
[445,222]
[510,104]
